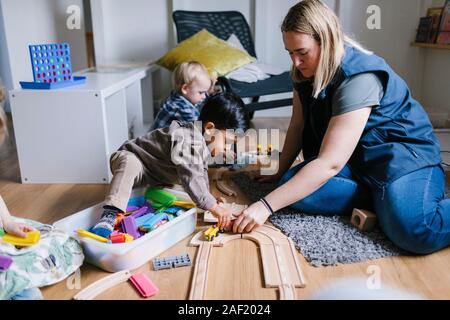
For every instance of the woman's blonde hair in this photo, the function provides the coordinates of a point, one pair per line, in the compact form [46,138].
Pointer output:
[187,73]
[316,19]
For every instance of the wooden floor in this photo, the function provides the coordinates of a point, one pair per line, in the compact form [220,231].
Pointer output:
[235,270]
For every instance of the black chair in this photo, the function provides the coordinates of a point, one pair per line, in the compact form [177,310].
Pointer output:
[223,24]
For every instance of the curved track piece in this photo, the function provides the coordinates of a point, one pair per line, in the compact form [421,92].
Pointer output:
[223,187]
[102,285]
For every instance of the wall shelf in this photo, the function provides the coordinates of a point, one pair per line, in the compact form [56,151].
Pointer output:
[431,45]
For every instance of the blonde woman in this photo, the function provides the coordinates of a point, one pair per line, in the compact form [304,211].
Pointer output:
[367,143]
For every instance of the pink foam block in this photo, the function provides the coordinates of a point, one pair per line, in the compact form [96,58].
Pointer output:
[144,285]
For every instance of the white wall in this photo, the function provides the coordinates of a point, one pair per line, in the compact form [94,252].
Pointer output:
[126,28]
[399,20]
[142,30]
[435,80]
[26,22]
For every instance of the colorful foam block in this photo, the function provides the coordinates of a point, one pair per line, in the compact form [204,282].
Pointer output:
[144,285]
[121,238]
[137,202]
[142,211]
[143,220]
[160,196]
[87,234]
[129,226]
[32,238]
[150,223]
[184,204]
[131,209]
[5,263]
[119,219]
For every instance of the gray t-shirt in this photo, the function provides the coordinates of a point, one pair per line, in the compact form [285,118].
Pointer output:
[357,92]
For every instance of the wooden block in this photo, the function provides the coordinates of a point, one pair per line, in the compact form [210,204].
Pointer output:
[364,220]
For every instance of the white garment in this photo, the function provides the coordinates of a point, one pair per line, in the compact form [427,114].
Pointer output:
[251,72]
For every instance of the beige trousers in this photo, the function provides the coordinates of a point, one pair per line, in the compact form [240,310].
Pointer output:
[127,171]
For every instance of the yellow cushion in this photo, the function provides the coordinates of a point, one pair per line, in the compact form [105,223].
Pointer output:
[215,54]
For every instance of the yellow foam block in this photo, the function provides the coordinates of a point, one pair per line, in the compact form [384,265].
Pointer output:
[87,234]
[32,238]
[184,204]
[128,238]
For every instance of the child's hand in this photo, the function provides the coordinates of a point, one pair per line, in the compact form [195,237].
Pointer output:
[221,200]
[223,215]
[17,229]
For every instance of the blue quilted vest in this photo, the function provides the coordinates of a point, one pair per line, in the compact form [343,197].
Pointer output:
[398,138]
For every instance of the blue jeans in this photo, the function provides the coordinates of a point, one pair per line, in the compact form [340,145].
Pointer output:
[412,211]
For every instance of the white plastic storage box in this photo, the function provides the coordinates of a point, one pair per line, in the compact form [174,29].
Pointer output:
[132,255]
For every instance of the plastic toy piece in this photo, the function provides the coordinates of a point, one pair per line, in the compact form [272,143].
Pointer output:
[160,196]
[129,226]
[144,285]
[279,257]
[2,233]
[32,238]
[121,238]
[364,220]
[223,187]
[150,223]
[143,220]
[141,212]
[184,204]
[136,202]
[131,209]
[173,210]
[211,233]
[119,219]
[258,149]
[102,285]
[5,263]
[87,234]
[182,260]
[159,224]
[52,67]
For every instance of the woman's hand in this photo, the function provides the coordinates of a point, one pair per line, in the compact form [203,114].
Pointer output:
[252,217]
[17,229]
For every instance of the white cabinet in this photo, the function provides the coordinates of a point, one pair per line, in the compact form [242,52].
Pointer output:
[67,135]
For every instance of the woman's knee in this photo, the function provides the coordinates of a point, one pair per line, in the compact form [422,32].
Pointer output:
[412,235]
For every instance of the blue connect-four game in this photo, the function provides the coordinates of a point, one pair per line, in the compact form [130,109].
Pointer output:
[52,67]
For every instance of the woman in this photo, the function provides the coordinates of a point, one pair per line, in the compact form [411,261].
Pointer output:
[367,143]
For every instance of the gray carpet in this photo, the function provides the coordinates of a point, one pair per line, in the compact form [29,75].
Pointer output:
[323,240]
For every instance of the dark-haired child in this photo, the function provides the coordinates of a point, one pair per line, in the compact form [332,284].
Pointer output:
[178,153]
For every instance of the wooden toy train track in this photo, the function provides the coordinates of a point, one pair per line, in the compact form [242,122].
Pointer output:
[279,258]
